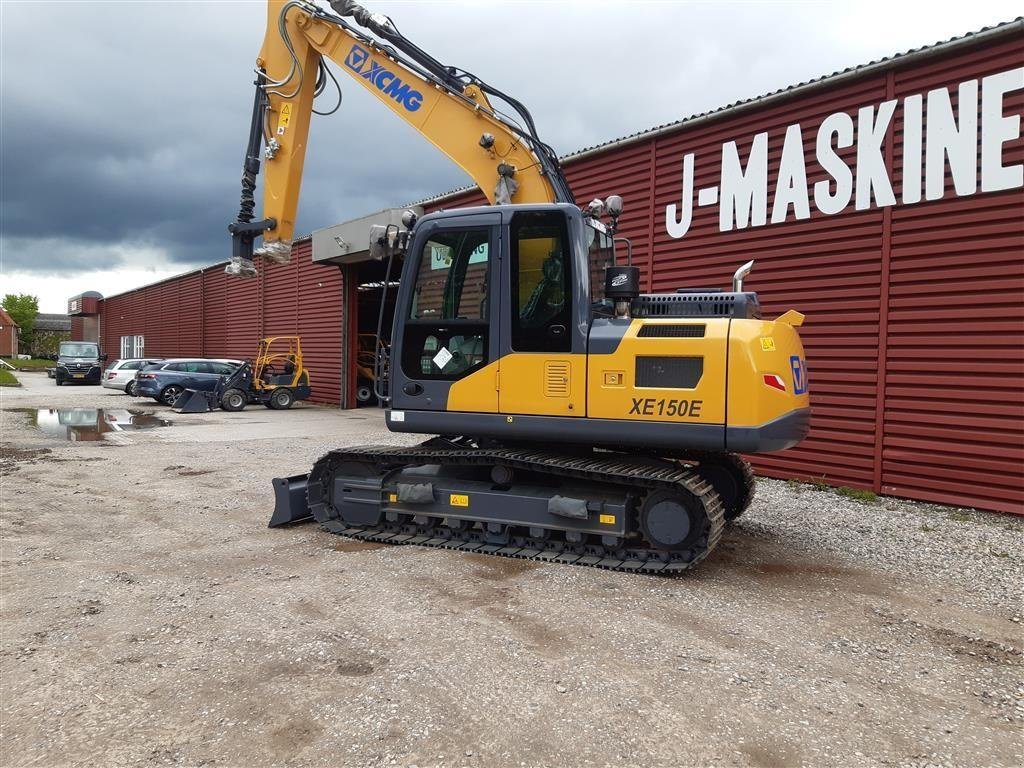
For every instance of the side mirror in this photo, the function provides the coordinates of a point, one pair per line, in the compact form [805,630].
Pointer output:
[104,357]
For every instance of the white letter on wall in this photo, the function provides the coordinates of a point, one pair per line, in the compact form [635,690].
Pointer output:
[912,148]
[676,227]
[744,191]
[840,124]
[996,130]
[791,187]
[945,138]
[871,171]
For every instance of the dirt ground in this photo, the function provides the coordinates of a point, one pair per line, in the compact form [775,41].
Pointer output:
[149,617]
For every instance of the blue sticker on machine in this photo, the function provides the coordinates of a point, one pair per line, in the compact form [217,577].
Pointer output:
[799,374]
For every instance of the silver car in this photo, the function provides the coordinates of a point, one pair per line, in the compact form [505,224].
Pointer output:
[120,374]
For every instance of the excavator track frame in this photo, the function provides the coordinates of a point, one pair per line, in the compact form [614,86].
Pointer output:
[644,474]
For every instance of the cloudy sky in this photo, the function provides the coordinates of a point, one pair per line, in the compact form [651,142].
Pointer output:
[123,124]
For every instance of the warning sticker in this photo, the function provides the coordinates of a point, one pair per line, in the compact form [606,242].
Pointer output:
[458,500]
[767,344]
[442,358]
[284,118]
[607,519]
[392,497]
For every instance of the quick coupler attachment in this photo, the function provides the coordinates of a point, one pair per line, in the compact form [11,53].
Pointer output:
[275,251]
[240,268]
[243,233]
[290,501]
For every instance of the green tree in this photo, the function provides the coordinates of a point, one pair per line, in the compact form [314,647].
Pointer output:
[23,309]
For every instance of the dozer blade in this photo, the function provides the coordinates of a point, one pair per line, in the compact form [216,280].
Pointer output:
[290,501]
[191,401]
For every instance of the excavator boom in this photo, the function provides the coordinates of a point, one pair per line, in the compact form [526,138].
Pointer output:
[451,109]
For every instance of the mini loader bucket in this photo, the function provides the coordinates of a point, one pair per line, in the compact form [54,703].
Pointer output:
[191,401]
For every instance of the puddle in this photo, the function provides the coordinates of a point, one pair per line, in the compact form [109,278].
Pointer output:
[82,425]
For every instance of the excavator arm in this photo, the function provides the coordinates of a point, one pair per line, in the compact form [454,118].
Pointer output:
[452,109]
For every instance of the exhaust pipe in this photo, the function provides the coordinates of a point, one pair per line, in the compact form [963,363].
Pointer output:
[742,272]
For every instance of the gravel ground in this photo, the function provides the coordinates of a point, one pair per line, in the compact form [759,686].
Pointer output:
[150,618]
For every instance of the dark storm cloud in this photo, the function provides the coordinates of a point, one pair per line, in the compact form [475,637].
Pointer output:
[123,124]
[141,149]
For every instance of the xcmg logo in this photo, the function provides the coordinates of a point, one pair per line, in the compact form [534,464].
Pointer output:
[358,60]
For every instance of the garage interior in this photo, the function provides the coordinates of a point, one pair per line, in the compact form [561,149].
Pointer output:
[369,288]
[372,295]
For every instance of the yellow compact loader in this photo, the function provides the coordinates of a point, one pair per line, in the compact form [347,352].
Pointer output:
[276,378]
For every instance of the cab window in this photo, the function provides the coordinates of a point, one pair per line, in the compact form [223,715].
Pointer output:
[452,279]
[541,299]
[599,255]
[446,333]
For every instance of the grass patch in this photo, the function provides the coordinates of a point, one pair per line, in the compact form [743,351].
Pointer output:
[7,379]
[958,516]
[820,485]
[34,363]
[857,493]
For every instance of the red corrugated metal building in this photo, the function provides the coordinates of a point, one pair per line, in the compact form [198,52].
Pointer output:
[206,313]
[885,202]
[8,335]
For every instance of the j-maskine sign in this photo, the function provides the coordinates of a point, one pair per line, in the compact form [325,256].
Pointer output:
[938,140]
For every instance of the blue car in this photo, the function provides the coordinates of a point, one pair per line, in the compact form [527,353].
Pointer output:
[166,380]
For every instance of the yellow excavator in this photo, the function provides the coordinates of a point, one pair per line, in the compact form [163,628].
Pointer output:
[578,420]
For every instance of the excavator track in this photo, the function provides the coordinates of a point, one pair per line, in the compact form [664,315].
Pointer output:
[730,475]
[638,474]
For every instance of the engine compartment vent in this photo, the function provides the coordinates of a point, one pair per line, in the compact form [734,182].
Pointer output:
[669,372]
[556,378]
[742,306]
[653,331]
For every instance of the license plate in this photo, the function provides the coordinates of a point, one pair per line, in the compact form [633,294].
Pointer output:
[78,375]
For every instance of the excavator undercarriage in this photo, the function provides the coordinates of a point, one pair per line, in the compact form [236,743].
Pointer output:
[585,507]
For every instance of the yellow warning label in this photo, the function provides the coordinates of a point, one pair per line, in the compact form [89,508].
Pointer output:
[284,118]
[392,497]
[458,500]
[607,519]
[767,344]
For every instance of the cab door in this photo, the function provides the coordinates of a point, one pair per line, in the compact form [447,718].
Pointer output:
[443,328]
[543,358]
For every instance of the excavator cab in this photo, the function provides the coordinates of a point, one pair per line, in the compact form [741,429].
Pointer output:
[487,289]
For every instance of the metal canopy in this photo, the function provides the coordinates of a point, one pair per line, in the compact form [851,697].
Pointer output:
[349,242]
